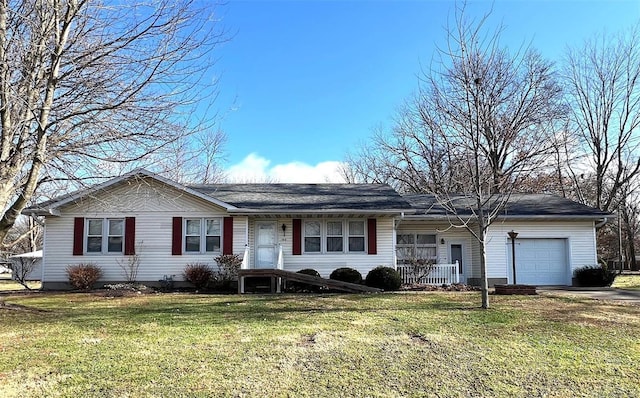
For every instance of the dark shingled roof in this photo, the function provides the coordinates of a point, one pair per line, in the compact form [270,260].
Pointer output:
[276,197]
[518,205]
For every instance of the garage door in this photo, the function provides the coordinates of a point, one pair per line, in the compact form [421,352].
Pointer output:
[540,261]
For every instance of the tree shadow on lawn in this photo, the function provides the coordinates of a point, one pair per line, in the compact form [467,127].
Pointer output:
[217,309]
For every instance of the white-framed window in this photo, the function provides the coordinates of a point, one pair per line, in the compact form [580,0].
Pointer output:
[416,246]
[202,235]
[356,237]
[334,236]
[104,235]
[312,236]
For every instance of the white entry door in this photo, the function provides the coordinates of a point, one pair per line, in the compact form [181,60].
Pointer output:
[265,245]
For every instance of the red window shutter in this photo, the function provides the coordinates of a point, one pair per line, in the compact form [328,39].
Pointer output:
[176,239]
[227,235]
[297,237]
[78,236]
[129,236]
[372,237]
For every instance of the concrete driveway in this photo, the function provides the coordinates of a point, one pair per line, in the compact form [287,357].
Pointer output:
[596,293]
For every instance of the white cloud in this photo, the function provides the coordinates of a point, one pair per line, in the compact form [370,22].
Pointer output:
[255,168]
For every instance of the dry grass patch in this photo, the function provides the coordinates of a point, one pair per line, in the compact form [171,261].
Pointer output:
[384,345]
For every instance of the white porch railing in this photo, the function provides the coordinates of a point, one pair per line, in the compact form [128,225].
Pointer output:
[245,258]
[244,265]
[280,263]
[440,274]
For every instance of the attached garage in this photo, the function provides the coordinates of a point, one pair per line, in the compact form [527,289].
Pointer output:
[540,262]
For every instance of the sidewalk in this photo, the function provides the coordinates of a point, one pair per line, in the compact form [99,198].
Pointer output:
[596,293]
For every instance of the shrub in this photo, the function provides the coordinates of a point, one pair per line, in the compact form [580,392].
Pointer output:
[346,274]
[594,275]
[228,266]
[198,274]
[299,286]
[83,276]
[385,278]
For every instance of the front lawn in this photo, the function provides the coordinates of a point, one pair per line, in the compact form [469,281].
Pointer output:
[384,345]
[631,282]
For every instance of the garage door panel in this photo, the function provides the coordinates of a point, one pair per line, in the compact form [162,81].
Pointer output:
[540,261]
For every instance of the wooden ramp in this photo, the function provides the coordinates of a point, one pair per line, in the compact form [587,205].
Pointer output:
[276,274]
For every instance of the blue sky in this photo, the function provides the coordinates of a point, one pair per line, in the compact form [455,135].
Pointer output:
[302,82]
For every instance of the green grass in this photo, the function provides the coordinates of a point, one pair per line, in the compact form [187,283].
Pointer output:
[386,345]
[631,282]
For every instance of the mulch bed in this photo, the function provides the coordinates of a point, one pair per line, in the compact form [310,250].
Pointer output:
[456,287]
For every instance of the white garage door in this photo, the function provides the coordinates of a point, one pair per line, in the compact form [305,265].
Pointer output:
[540,262]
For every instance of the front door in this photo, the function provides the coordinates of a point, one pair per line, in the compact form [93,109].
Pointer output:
[265,245]
[455,249]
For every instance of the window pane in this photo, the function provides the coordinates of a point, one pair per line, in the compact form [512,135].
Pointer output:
[334,228]
[213,243]
[312,228]
[115,244]
[405,253]
[192,244]
[213,227]
[356,227]
[334,244]
[405,239]
[426,239]
[95,227]
[94,244]
[356,244]
[427,253]
[312,244]
[193,227]
[116,227]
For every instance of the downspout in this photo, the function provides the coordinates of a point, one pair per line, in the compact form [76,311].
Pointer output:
[601,223]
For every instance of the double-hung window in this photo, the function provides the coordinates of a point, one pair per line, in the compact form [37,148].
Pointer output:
[334,236]
[104,235]
[202,235]
[415,246]
[356,236]
[312,237]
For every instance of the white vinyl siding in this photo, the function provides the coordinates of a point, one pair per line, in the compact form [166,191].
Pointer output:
[153,205]
[327,262]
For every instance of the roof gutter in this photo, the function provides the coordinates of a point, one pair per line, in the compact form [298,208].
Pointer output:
[241,211]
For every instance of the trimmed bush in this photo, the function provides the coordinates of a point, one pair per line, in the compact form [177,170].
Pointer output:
[385,278]
[198,274]
[346,274]
[594,276]
[302,287]
[83,276]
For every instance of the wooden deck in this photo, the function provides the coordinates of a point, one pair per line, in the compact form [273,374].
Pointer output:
[278,275]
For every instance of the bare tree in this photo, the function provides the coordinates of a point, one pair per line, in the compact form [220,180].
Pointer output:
[484,119]
[603,87]
[88,85]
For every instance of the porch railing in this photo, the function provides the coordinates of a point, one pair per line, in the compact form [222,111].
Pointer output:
[280,263]
[440,274]
[245,258]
